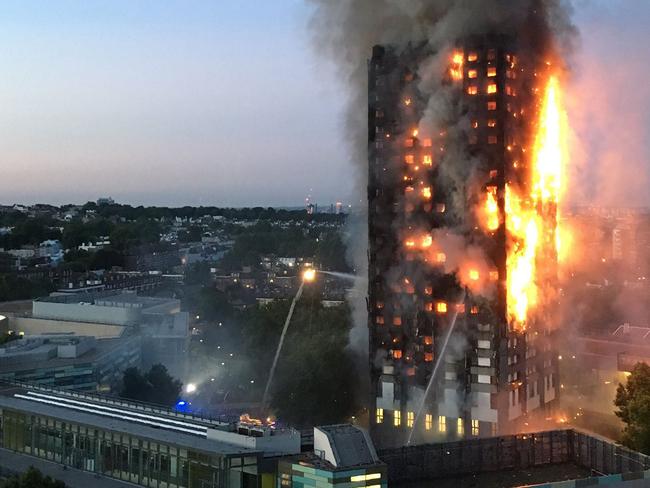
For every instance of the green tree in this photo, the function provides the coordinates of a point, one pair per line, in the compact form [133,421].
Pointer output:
[156,386]
[33,478]
[633,402]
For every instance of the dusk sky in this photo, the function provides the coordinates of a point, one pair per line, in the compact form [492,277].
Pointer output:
[188,102]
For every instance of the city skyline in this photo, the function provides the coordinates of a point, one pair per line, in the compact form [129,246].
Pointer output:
[212,104]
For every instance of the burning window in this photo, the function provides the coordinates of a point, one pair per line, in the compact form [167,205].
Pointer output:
[428,290]
[491,71]
[441,307]
[409,189]
[380,305]
[428,340]
[428,421]
[397,354]
[492,139]
[474,124]
[427,160]
[510,91]
[474,310]
[492,105]
[460,427]
[427,143]
[397,419]
[493,173]
[407,102]
[410,418]
[409,243]
[474,275]
[460,307]
[471,57]
[492,88]
[427,241]
[441,257]
[492,123]
[380,415]
[475,426]
[409,159]
[397,320]
[379,320]
[408,142]
[494,275]
[428,357]
[426,193]
[472,90]
[440,207]
[511,75]
[456,66]
[428,307]
[472,73]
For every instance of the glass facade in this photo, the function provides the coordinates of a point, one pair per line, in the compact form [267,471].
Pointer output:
[123,456]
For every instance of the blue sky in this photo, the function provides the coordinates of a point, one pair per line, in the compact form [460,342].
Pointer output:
[198,102]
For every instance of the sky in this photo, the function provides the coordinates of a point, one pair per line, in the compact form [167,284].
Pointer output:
[222,102]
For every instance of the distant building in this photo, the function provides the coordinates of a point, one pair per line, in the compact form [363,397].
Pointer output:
[68,361]
[105,201]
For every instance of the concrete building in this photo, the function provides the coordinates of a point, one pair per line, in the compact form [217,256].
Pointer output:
[163,330]
[343,456]
[68,361]
[138,443]
[499,372]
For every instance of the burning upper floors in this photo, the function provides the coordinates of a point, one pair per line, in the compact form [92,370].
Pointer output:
[462,223]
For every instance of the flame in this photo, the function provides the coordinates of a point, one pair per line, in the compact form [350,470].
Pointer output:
[492,209]
[532,220]
[456,66]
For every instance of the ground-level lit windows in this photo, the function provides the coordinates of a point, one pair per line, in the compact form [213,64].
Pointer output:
[397,418]
[380,415]
[428,421]
[410,418]
[475,427]
[442,423]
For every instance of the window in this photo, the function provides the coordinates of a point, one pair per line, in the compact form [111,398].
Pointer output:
[485,362]
[428,290]
[460,307]
[427,143]
[475,427]
[426,192]
[441,257]
[492,139]
[472,90]
[397,320]
[494,428]
[397,354]
[379,320]
[428,421]
[428,340]
[408,142]
[491,71]
[440,207]
[492,54]
[492,105]
[397,419]
[427,160]
[428,357]
[380,305]
[441,307]
[365,477]
[474,124]
[409,159]
[380,415]
[471,57]
[482,344]
[492,123]
[472,73]
[442,423]
[474,310]
[494,275]
[428,307]
[460,427]
[410,418]
[484,378]
[491,88]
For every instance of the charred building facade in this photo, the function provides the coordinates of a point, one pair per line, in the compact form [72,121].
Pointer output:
[447,358]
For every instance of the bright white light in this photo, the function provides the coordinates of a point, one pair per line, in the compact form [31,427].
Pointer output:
[190,388]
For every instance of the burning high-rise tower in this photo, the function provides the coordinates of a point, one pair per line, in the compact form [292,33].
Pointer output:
[464,179]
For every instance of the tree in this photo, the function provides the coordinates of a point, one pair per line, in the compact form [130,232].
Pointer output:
[156,386]
[633,402]
[33,478]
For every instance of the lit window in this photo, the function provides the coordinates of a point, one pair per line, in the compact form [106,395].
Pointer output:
[492,139]
[408,102]
[410,419]
[428,307]
[428,340]
[474,124]
[380,320]
[426,192]
[471,57]
[408,189]
[397,419]
[442,423]
[441,257]
[440,207]
[397,354]
[380,305]
[397,320]
[409,159]
[427,160]
[492,88]
[428,357]
[380,415]
[494,275]
[408,142]
[441,307]
[491,71]
[428,290]
[474,427]
[492,105]
[365,477]
[472,90]
[460,427]
[472,73]
[494,429]
[427,143]
[493,173]
[428,421]
[492,123]
[474,310]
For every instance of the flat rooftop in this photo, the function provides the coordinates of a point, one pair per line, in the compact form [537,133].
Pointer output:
[114,415]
